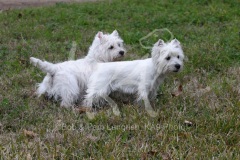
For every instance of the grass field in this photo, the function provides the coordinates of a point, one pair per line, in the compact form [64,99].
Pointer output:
[203,122]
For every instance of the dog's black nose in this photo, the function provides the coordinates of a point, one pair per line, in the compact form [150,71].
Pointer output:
[177,66]
[121,52]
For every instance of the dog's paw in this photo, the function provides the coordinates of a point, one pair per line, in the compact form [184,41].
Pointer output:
[116,111]
[90,115]
[152,113]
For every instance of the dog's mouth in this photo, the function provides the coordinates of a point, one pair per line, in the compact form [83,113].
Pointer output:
[118,58]
[177,70]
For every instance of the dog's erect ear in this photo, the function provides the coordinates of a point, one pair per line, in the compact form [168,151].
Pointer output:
[176,42]
[160,42]
[115,33]
[100,35]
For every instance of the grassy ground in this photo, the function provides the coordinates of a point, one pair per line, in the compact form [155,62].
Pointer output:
[40,129]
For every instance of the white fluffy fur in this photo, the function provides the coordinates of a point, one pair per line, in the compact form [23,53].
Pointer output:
[67,80]
[141,77]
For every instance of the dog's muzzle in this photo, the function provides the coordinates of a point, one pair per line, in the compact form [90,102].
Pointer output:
[177,66]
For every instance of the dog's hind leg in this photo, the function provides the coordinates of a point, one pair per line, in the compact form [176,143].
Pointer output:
[65,87]
[45,85]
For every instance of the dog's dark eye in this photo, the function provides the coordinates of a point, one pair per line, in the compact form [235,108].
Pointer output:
[168,58]
[119,44]
[111,47]
[178,57]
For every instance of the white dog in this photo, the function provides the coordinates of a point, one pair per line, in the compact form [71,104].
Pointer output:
[141,77]
[67,80]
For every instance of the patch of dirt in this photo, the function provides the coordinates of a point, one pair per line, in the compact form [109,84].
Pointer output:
[12,4]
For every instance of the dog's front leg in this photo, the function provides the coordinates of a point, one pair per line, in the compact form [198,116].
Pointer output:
[113,105]
[149,108]
[88,102]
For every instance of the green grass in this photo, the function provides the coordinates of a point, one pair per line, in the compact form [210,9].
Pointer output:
[209,33]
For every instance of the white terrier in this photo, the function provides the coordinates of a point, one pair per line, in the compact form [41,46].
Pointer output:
[67,80]
[141,77]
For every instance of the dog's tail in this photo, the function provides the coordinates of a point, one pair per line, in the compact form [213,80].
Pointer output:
[45,66]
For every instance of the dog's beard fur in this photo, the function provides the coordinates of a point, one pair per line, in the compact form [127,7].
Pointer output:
[140,77]
[67,80]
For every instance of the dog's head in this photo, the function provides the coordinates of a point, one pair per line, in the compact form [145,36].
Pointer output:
[107,47]
[168,57]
